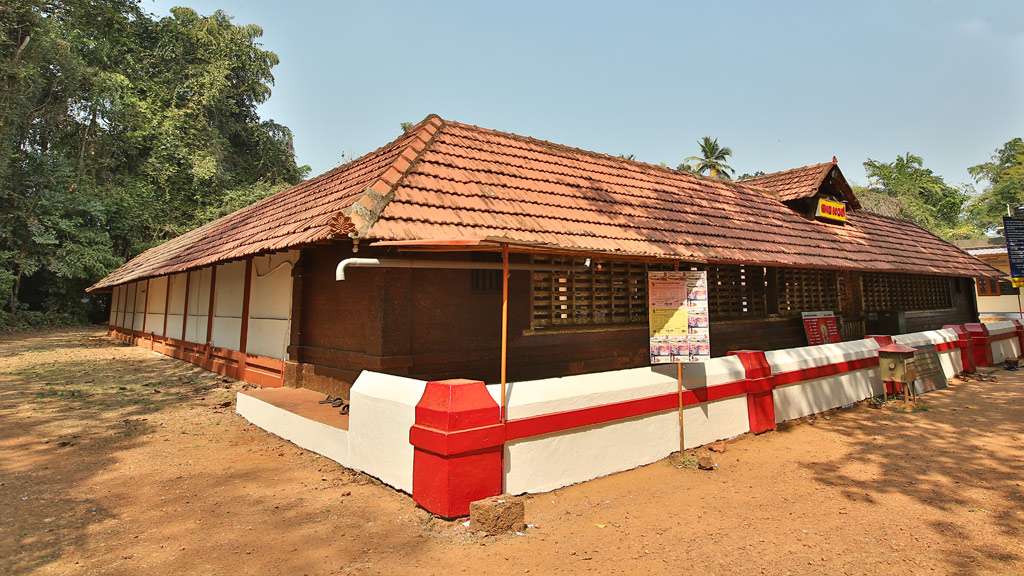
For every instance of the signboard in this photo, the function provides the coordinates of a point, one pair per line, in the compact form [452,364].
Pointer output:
[678,316]
[1013,231]
[821,328]
[929,370]
[830,210]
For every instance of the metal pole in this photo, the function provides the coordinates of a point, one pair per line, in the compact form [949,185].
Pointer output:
[504,329]
[679,389]
[679,373]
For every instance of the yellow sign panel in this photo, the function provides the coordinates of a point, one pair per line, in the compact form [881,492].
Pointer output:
[830,210]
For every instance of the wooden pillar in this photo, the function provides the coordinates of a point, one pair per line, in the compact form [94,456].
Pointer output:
[167,302]
[504,329]
[209,311]
[184,311]
[295,326]
[243,338]
[124,306]
[145,308]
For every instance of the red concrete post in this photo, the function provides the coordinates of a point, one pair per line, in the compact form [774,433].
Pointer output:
[459,442]
[760,400]
[981,348]
[963,343]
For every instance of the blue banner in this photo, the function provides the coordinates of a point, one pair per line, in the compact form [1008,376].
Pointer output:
[1013,230]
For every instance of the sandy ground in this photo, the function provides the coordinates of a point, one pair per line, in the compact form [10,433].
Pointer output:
[115,460]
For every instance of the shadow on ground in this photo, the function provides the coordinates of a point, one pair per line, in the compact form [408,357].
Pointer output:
[932,457]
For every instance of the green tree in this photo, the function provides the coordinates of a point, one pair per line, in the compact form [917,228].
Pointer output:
[713,160]
[1003,177]
[905,188]
[119,131]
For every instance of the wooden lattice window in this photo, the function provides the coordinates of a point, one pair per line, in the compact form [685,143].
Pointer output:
[571,293]
[800,290]
[988,287]
[736,292]
[886,292]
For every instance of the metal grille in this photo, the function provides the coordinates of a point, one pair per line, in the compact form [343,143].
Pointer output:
[884,292]
[805,290]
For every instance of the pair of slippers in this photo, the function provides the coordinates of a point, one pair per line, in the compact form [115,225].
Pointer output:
[336,402]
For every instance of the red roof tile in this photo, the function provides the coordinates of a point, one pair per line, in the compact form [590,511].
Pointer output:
[447,180]
[795,183]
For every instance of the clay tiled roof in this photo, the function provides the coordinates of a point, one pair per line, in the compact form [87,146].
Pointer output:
[453,181]
[804,182]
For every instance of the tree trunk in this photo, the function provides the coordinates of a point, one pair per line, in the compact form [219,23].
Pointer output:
[14,291]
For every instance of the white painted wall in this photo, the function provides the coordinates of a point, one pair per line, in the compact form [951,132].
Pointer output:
[141,288]
[316,436]
[949,360]
[176,305]
[115,306]
[157,302]
[270,304]
[383,409]
[1006,348]
[813,396]
[548,462]
[129,303]
[198,305]
[227,305]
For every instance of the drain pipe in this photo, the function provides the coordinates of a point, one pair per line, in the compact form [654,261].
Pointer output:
[339,272]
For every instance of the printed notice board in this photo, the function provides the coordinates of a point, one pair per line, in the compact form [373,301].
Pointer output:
[678,316]
[821,328]
[1013,231]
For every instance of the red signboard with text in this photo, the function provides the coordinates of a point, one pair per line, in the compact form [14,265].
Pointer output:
[821,328]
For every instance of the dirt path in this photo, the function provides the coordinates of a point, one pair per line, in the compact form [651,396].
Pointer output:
[115,460]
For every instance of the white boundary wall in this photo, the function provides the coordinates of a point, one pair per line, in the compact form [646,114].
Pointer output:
[318,437]
[949,359]
[383,409]
[1006,348]
[539,464]
[812,396]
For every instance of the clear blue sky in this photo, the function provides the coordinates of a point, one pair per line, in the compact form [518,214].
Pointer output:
[783,84]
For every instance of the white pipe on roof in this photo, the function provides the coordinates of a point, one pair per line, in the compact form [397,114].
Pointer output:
[339,273]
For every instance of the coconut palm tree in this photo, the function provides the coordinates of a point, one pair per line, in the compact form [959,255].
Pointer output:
[713,159]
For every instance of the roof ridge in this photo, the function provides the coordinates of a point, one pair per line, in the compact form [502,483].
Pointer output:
[357,219]
[777,172]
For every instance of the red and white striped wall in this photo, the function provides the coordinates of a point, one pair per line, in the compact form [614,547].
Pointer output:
[444,442]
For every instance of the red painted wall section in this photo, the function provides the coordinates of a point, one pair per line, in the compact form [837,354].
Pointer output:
[963,342]
[760,401]
[981,352]
[458,441]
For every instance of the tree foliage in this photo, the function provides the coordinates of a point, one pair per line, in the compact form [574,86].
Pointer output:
[118,131]
[1003,177]
[713,160]
[905,188]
